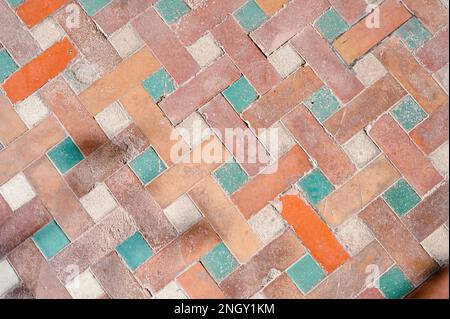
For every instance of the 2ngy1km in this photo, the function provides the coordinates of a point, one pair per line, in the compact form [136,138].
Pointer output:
[226,309]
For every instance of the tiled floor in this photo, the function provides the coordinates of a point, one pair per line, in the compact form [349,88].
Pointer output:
[108,107]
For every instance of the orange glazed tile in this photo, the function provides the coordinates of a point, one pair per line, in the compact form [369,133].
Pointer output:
[34,11]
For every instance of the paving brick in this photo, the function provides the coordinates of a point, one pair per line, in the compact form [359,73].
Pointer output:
[271,7]
[198,284]
[225,219]
[33,12]
[398,242]
[158,85]
[219,262]
[171,291]
[230,176]
[50,240]
[395,143]
[434,54]
[431,12]
[371,294]
[322,104]
[17,191]
[350,11]
[282,288]
[5,210]
[306,273]
[332,160]
[361,38]
[35,74]
[315,186]
[367,185]
[134,251]
[11,126]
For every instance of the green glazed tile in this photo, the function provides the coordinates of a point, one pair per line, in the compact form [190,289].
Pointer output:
[147,166]
[171,10]
[306,273]
[50,239]
[322,104]
[401,197]
[7,65]
[413,33]
[65,155]
[331,25]
[394,284]
[240,94]
[231,177]
[250,16]
[134,251]
[15,3]
[219,262]
[93,6]
[408,113]
[158,85]
[315,186]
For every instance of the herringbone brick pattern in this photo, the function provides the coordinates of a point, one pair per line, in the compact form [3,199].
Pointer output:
[96,94]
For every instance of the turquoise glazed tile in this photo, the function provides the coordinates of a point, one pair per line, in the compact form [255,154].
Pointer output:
[171,10]
[65,155]
[134,251]
[50,239]
[7,65]
[250,16]
[413,33]
[331,25]
[231,177]
[394,284]
[158,85]
[322,104]
[220,262]
[408,113]
[315,186]
[147,166]
[401,197]
[306,273]
[15,3]
[93,6]
[240,94]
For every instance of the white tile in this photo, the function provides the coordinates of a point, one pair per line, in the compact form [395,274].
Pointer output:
[85,286]
[47,33]
[361,149]
[113,119]
[32,110]
[126,41]
[80,75]
[442,76]
[437,244]
[355,235]
[99,202]
[171,291]
[286,60]
[278,141]
[194,129]
[17,191]
[440,159]
[267,223]
[369,70]
[8,277]
[205,51]
[183,213]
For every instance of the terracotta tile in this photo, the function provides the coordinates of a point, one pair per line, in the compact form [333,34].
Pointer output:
[198,284]
[270,7]
[434,54]
[282,288]
[432,12]
[371,294]
[350,11]
[11,126]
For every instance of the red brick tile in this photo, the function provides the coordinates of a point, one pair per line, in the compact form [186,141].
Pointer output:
[29,147]
[197,92]
[432,12]
[327,65]
[225,219]
[398,242]
[198,284]
[35,273]
[127,75]
[204,18]
[11,126]
[371,294]
[5,211]
[89,40]
[166,46]
[331,159]
[410,161]
[109,158]
[348,281]
[255,195]
[282,99]
[58,198]
[270,7]
[296,16]
[163,267]
[35,74]
[246,55]
[25,221]
[282,288]
[82,127]
[32,12]
[313,232]
[397,59]
[248,151]
[351,11]
[116,279]
[432,132]
[354,117]
[434,53]
[261,269]
[149,217]
[429,215]
[360,38]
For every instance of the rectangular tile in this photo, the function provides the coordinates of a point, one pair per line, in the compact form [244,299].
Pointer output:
[32,12]
[198,284]
[11,126]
